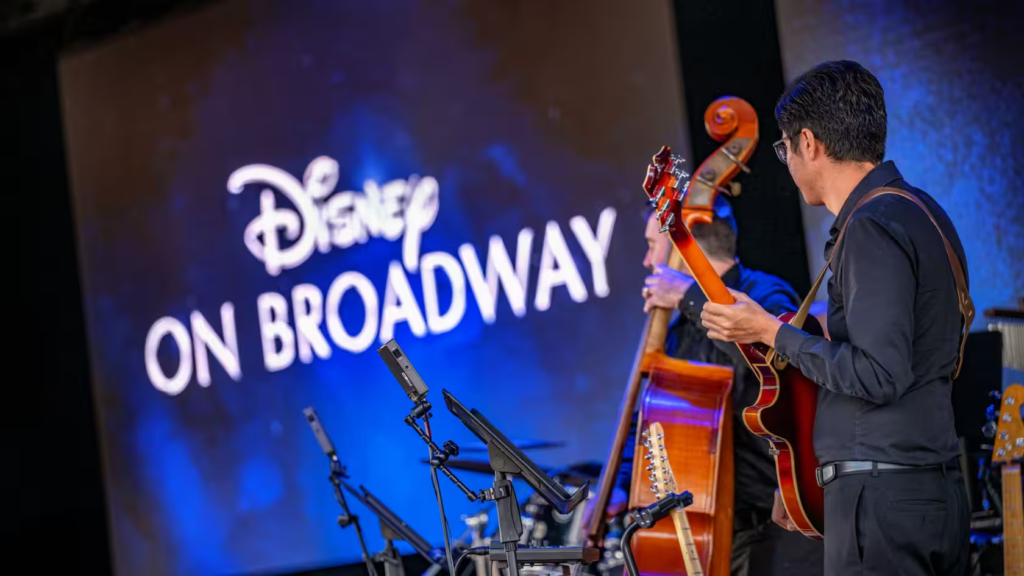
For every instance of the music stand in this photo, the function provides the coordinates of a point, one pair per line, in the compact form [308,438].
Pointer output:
[393,528]
[507,460]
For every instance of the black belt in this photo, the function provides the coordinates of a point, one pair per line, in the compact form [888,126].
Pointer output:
[830,472]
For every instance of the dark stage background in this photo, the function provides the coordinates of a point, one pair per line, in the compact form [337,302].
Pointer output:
[524,113]
[954,92]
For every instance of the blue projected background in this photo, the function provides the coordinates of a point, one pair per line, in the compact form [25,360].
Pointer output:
[265,190]
[954,94]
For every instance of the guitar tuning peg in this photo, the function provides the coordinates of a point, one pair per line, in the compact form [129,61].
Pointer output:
[650,467]
[647,443]
[646,432]
[661,447]
[668,222]
[663,458]
[649,456]
[660,436]
[652,477]
[654,488]
[666,481]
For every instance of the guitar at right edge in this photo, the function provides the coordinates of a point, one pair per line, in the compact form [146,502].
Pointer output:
[1008,450]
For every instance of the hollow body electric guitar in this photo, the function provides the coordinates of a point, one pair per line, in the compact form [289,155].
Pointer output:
[785,408]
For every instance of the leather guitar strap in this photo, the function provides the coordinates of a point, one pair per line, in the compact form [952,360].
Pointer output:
[963,296]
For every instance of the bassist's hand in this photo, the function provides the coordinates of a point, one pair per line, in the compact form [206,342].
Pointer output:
[665,288]
[779,515]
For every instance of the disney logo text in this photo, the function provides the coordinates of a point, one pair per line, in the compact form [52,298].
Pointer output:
[321,219]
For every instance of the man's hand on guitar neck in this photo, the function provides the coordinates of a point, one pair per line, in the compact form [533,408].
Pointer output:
[744,322]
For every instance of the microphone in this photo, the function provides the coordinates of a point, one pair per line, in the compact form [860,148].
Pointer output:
[318,430]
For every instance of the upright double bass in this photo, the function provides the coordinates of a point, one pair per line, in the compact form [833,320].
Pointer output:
[692,401]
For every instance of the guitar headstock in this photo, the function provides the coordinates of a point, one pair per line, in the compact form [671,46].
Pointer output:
[659,468]
[666,184]
[1009,439]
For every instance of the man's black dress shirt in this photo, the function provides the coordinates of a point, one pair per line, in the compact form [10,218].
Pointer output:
[894,324]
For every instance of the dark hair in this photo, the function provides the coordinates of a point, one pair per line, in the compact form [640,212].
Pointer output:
[718,239]
[843,105]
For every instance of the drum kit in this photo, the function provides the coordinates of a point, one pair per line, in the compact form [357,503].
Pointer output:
[543,525]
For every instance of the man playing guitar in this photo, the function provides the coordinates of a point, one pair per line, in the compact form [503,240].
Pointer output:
[895,501]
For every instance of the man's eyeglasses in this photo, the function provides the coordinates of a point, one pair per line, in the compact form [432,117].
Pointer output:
[780,149]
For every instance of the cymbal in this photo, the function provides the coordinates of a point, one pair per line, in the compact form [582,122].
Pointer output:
[575,474]
[482,466]
[521,444]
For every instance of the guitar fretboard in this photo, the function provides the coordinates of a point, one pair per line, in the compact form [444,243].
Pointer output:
[690,558]
[1013,522]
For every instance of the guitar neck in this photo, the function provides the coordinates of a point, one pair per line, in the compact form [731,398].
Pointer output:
[701,269]
[690,558]
[1013,521]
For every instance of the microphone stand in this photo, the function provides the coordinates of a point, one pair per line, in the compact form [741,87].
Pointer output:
[390,557]
[438,457]
[347,518]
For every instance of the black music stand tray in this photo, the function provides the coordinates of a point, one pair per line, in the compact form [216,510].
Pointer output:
[507,461]
[392,528]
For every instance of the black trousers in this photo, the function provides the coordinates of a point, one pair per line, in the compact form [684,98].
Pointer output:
[897,522]
[761,547]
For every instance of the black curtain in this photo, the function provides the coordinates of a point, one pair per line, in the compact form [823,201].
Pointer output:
[731,48]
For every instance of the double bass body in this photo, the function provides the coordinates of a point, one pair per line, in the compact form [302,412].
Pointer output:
[692,401]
